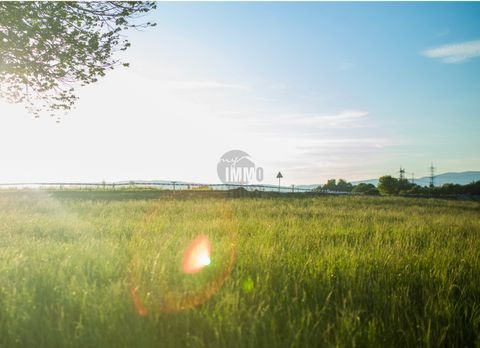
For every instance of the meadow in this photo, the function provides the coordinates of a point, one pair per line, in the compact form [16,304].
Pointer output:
[102,269]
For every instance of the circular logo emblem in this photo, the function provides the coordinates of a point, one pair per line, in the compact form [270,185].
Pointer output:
[236,167]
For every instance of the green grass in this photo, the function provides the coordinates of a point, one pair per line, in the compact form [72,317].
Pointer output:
[286,272]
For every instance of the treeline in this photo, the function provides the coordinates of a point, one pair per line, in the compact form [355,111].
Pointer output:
[389,185]
[343,186]
[392,186]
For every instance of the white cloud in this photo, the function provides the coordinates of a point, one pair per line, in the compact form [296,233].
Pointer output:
[455,53]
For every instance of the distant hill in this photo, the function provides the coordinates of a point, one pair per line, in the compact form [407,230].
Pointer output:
[461,178]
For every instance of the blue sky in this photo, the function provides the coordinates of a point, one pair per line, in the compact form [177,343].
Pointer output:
[317,90]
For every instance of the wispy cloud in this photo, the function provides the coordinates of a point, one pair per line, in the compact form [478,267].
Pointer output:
[455,53]
[313,147]
[353,157]
[304,123]
[347,118]
[344,142]
[204,84]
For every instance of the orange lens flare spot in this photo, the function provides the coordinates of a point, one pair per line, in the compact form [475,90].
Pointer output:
[197,255]
[139,307]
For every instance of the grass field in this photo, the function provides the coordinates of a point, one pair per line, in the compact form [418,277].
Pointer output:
[286,272]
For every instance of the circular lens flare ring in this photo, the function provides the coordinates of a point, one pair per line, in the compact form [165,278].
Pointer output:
[171,300]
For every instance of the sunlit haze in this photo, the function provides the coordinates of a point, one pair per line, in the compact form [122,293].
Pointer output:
[313,90]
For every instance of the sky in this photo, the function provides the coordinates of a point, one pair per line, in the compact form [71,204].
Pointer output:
[314,90]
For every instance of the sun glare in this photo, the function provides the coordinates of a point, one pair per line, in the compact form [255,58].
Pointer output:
[197,255]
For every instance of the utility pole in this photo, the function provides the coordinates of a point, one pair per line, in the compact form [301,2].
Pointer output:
[279,177]
[293,188]
[432,175]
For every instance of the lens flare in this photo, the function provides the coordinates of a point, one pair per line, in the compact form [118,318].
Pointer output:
[197,255]
[161,278]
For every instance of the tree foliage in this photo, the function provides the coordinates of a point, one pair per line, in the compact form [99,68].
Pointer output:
[344,186]
[49,48]
[331,185]
[341,186]
[363,188]
[446,190]
[388,185]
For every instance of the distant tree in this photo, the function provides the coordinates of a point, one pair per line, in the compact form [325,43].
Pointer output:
[473,188]
[404,186]
[344,186]
[330,185]
[456,189]
[48,48]
[363,187]
[448,189]
[372,192]
[416,189]
[388,185]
